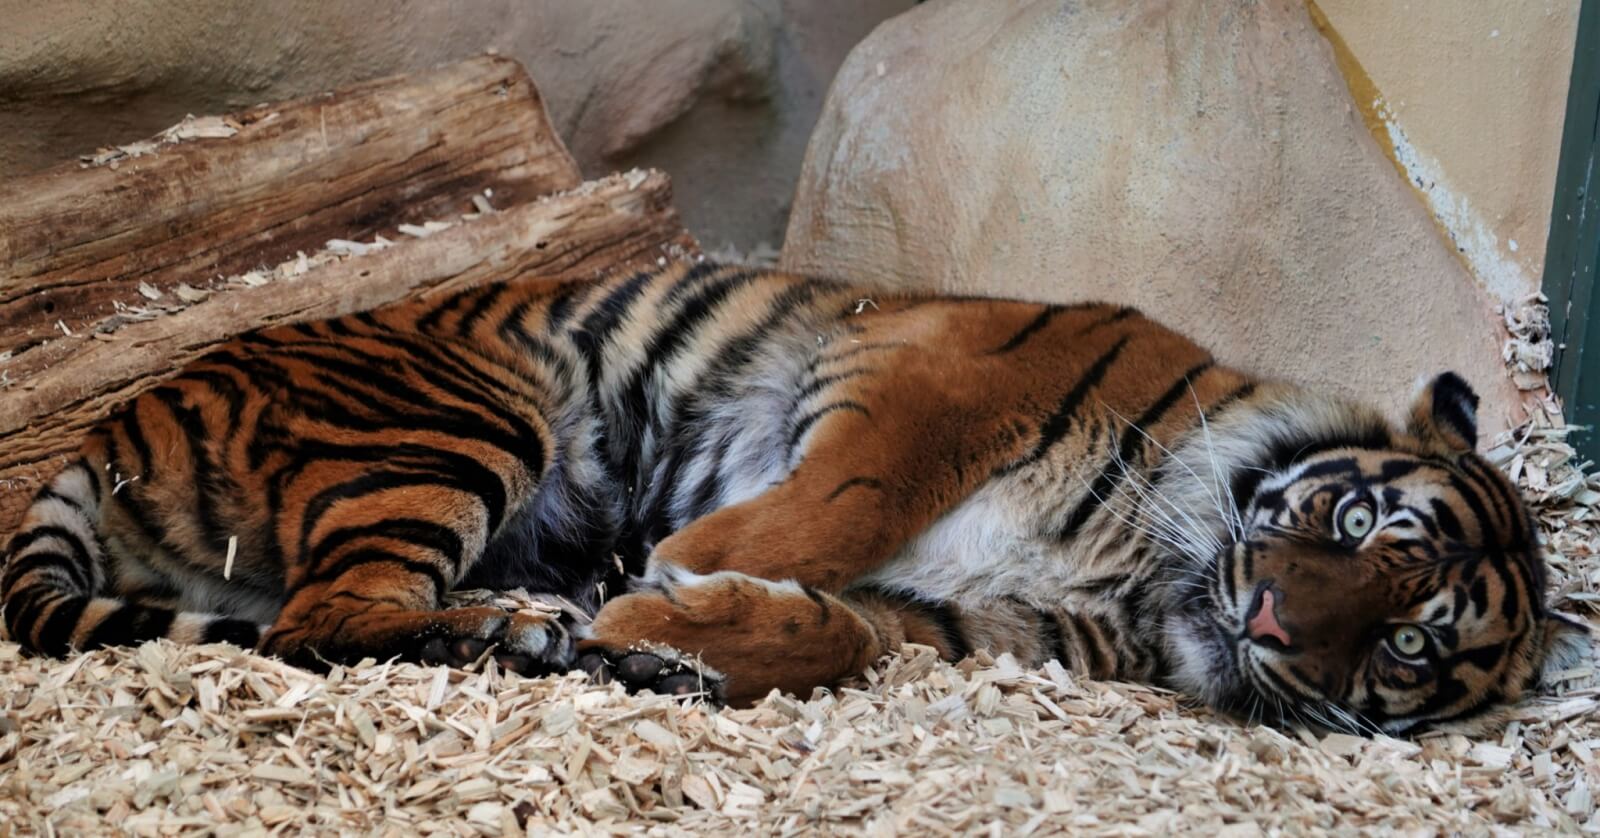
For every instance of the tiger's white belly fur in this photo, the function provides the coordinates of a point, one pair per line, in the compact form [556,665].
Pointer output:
[991,547]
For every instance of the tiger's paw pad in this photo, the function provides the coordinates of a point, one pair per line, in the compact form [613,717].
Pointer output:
[523,644]
[659,670]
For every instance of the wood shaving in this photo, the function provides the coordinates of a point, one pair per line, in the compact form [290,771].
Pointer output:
[1529,351]
[191,128]
[632,179]
[425,229]
[190,294]
[201,128]
[763,255]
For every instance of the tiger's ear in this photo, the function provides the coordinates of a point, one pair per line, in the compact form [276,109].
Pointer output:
[1568,646]
[1445,414]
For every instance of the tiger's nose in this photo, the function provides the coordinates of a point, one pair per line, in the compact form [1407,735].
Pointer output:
[1261,623]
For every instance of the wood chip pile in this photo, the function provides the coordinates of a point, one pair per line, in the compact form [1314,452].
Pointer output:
[163,739]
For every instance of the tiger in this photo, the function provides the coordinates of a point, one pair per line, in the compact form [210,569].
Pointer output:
[755,480]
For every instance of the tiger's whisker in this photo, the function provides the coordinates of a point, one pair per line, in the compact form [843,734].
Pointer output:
[1170,457]
[1231,513]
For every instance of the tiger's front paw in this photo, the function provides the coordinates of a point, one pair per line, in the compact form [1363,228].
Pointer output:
[756,635]
[658,669]
[527,644]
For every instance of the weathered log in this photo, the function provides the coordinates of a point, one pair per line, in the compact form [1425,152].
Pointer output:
[56,391]
[218,196]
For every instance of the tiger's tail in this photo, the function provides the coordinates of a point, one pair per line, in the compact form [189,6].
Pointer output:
[57,575]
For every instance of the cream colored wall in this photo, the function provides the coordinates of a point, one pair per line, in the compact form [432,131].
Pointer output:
[1468,96]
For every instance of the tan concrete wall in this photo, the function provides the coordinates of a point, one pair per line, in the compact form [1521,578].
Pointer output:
[720,93]
[1468,96]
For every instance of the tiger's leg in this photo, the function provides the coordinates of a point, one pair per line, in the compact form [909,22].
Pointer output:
[751,636]
[731,636]
[368,615]
[735,637]
[374,568]
[880,460]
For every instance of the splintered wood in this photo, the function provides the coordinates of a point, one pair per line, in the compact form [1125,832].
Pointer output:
[213,740]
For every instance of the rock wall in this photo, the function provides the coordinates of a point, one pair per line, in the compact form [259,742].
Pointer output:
[721,93]
[1201,159]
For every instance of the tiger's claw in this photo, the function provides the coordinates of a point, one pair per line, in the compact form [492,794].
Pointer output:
[659,670]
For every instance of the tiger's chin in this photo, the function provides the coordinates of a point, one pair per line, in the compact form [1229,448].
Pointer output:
[1203,652]
[1205,662]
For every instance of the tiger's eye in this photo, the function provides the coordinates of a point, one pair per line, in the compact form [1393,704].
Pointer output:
[1409,641]
[1356,520]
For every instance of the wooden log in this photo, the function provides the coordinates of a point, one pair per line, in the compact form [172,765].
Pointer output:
[217,196]
[58,390]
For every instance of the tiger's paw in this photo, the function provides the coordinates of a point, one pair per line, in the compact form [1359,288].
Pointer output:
[657,669]
[527,644]
[755,635]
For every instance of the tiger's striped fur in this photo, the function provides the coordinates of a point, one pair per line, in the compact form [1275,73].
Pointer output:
[795,476]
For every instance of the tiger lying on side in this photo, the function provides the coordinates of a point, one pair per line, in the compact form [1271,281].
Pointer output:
[798,476]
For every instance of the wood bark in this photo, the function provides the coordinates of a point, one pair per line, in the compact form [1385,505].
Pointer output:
[80,239]
[59,390]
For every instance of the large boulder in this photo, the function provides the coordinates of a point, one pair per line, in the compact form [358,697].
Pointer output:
[1200,159]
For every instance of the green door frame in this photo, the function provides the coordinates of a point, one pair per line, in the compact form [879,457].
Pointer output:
[1572,256]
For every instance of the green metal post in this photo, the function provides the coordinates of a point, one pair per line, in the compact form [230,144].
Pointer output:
[1572,257]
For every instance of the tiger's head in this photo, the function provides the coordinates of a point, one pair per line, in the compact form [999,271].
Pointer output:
[1374,579]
